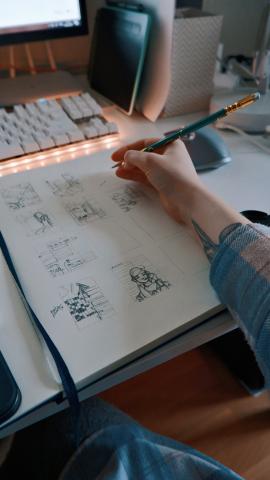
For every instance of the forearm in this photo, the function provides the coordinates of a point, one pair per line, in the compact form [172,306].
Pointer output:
[239,252]
[209,215]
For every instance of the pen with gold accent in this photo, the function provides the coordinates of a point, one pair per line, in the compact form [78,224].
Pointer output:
[182,132]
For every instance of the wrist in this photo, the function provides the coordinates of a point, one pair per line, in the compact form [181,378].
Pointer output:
[198,197]
[211,213]
[188,197]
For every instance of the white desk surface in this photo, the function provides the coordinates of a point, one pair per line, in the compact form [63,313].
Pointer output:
[243,183]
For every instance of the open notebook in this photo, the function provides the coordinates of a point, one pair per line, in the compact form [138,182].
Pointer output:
[108,274]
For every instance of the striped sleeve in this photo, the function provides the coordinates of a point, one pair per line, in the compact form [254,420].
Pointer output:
[240,274]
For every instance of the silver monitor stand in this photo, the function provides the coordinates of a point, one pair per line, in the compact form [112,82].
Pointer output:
[28,88]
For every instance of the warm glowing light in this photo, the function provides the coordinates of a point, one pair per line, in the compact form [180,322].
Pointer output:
[72,149]
[60,154]
[109,145]
[26,160]
[14,164]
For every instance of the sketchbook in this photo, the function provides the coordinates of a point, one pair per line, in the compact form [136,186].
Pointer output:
[109,275]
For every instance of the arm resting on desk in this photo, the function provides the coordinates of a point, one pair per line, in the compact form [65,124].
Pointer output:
[239,251]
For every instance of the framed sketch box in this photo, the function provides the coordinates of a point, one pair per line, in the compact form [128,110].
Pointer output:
[195,42]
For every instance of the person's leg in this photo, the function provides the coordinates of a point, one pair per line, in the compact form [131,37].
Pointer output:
[41,451]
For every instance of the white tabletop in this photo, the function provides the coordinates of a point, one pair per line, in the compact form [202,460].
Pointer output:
[243,183]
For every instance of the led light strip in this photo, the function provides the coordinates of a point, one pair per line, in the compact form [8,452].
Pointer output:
[58,154]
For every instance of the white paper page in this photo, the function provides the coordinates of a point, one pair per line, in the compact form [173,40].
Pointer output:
[106,271]
[20,347]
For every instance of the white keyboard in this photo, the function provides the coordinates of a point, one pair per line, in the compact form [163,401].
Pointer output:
[46,124]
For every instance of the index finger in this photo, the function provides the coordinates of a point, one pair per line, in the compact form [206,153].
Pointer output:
[118,155]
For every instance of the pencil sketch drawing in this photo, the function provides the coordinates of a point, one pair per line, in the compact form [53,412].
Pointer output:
[148,283]
[84,211]
[63,255]
[141,278]
[65,185]
[57,309]
[20,196]
[37,222]
[86,301]
[127,198]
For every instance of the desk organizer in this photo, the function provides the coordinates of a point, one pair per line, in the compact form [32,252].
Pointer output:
[195,42]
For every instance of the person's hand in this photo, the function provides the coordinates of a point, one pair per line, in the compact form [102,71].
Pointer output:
[169,171]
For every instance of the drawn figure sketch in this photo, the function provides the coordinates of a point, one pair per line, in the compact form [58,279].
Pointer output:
[20,196]
[141,278]
[148,283]
[37,222]
[126,198]
[62,256]
[84,211]
[64,186]
[86,301]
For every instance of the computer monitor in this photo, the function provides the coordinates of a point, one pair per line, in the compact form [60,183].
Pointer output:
[22,21]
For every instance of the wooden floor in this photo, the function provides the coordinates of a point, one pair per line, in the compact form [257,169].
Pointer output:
[196,400]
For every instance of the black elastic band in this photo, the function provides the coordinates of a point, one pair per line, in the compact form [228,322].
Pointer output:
[66,378]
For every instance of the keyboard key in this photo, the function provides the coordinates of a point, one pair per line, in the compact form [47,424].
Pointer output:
[75,136]
[60,139]
[31,109]
[43,141]
[82,106]
[97,110]
[90,132]
[10,150]
[29,145]
[102,130]
[87,98]
[112,127]
[20,112]
[54,105]
[50,123]
[97,122]
[12,131]
[43,106]
[11,118]
[71,108]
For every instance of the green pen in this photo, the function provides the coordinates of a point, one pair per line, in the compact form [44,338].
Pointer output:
[182,132]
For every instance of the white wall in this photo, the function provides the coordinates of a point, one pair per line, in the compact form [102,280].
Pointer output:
[240,24]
